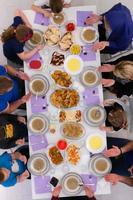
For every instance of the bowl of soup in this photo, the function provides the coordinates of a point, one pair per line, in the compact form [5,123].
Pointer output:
[71,183]
[89,35]
[95,115]
[58,18]
[90,77]
[38,164]
[39,85]
[38,124]
[99,165]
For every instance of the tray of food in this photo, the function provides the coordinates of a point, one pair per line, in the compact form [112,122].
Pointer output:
[52,35]
[55,155]
[66,41]
[73,154]
[64,98]
[72,130]
[70,116]
[57,59]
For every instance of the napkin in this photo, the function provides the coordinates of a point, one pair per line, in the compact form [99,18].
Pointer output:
[42,184]
[38,142]
[103,187]
[87,54]
[91,96]
[38,104]
[89,180]
[41,19]
[81,17]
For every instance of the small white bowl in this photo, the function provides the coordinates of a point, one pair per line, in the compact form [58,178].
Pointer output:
[89,28]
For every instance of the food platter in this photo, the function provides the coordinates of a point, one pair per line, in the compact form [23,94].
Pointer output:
[38,124]
[36,162]
[72,130]
[71,184]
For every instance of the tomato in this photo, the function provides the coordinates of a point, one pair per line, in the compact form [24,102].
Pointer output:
[70,26]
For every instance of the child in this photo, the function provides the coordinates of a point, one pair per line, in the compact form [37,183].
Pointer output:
[10,89]
[14,39]
[118,78]
[116,30]
[13,131]
[56,6]
[119,114]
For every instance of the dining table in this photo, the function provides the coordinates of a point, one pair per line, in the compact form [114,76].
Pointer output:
[40,143]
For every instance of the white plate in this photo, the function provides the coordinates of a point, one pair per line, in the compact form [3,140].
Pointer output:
[91,122]
[66,64]
[92,164]
[31,161]
[42,78]
[64,180]
[91,28]
[30,45]
[43,118]
[93,70]
[100,149]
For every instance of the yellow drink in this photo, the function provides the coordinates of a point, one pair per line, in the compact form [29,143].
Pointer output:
[95,142]
[73,64]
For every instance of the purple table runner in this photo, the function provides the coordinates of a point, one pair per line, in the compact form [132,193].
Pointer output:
[91,96]
[89,180]
[41,19]
[38,142]
[42,184]
[87,54]
[38,104]
[81,17]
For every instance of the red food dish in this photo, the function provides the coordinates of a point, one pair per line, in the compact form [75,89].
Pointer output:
[35,64]
[70,26]
[62,144]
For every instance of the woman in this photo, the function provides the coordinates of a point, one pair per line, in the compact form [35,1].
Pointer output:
[119,114]
[118,78]
[10,89]
[56,6]
[13,168]
[14,39]
[116,30]
[88,191]
[13,131]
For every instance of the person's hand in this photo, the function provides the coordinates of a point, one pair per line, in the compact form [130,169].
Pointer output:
[39,47]
[23,158]
[67,5]
[107,82]
[56,191]
[92,19]
[100,45]
[20,142]
[21,119]
[108,102]
[24,175]
[113,152]
[47,13]
[106,68]
[112,178]
[25,98]
[131,170]
[89,192]
[29,25]
[23,76]
[105,128]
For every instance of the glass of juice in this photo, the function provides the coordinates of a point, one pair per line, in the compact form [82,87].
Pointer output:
[62,144]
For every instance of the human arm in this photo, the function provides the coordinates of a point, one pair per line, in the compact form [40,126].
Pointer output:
[23,17]
[89,193]
[23,176]
[100,45]
[115,178]
[25,55]
[12,71]
[106,68]
[19,156]
[107,82]
[93,19]
[13,106]
[56,192]
[38,9]
[106,128]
